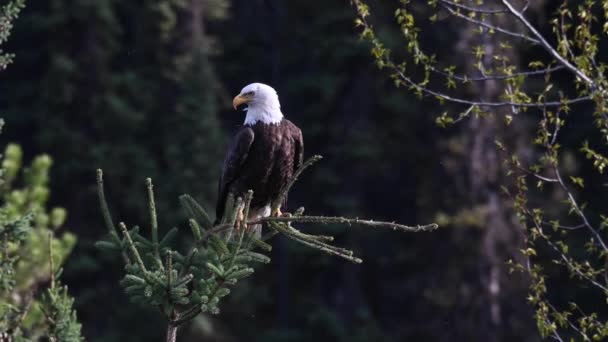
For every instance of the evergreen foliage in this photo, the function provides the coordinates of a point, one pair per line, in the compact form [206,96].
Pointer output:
[132,90]
[26,262]
[13,234]
[58,309]
[8,13]
[184,285]
[147,86]
[26,228]
[32,199]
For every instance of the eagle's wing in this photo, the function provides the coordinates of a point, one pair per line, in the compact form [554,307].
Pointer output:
[298,157]
[236,156]
[297,151]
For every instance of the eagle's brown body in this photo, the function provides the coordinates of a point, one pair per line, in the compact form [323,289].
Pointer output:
[262,157]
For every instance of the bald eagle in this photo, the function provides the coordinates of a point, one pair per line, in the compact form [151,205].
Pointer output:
[263,155]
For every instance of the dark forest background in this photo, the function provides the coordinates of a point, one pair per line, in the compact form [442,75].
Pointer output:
[143,88]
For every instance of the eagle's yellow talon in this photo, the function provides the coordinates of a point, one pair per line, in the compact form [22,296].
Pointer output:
[239,219]
[277,213]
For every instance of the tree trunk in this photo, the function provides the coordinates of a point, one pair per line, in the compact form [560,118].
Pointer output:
[501,236]
[171,332]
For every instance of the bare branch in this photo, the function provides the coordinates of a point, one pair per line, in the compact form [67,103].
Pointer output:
[283,193]
[449,98]
[132,247]
[498,77]
[548,46]
[578,209]
[554,333]
[568,262]
[560,226]
[536,175]
[473,9]
[107,217]
[348,221]
[493,27]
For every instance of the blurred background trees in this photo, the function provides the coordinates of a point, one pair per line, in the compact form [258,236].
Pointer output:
[8,13]
[525,105]
[142,89]
[33,303]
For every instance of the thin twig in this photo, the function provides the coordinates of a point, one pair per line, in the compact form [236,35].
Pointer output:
[283,193]
[449,98]
[134,251]
[493,27]
[219,228]
[348,221]
[578,209]
[169,271]
[554,332]
[464,78]
[568,263]
[536,175]
[473,9]
[572,325]
[107,217]
[337,251]
[573,201]
[548,46]
[153,222]
[51,266]
[421,89]
[560,226]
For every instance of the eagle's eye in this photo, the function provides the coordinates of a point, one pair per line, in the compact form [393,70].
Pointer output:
[249,93]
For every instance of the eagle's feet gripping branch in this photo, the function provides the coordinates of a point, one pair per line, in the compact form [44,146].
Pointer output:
[240,218]
[238,209]
[276,212]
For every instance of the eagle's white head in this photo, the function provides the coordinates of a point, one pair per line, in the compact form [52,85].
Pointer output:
[262,104]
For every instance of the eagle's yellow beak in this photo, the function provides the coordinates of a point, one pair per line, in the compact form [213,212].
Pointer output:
[239,100]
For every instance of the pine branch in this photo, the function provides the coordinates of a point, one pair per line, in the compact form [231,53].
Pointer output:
[8,13]
[193,283]
[349,221]
[313,242]
[107,217]
[132,247]
[171,332]
[51,267]
[552,51]
[57,307]
[153,222]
